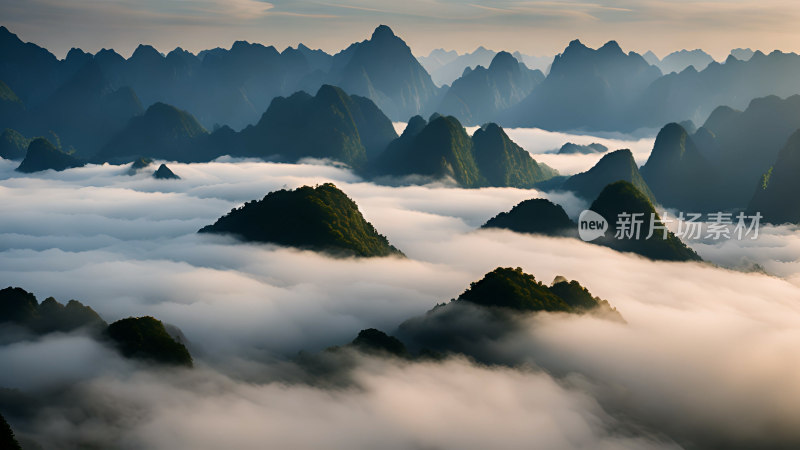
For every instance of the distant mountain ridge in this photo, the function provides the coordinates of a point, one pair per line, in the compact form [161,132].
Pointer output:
[383,69]
[441,148]
[585,89]
[481,93]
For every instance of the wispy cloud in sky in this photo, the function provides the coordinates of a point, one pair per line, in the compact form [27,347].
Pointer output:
[534,27]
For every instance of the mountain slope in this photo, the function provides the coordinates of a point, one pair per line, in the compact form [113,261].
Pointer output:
[742,145]
[146,338]
[86,110]
[13,145]
[505,164]
[321,218]
[480,94]
[384,70]
[42,155]
[536,216]
[614,166]
[441,148]
[622,197]
[332,124]
[492,310]
[585,89]
[776,196]
[678,174]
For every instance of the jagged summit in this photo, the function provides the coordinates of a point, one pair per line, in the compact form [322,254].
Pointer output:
[611,46]
[503,61]
[382,32]
[146,52]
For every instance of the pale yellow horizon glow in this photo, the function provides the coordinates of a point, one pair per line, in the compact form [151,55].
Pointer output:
[532,27]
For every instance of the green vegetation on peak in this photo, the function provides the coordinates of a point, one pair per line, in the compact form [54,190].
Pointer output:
[372,340]
[581,299]
[538,216]
[146,338]
[321,218]
[504,163]
[441,148]
[13,144]
[623,197]
[43,155]
[775,198]
[512,288]
[331,124]
[7,95]
[21,308]
[614,166]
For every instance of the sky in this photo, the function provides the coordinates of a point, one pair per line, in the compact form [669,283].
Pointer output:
[540,28]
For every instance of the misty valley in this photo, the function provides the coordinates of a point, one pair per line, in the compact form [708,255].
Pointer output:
[249,248]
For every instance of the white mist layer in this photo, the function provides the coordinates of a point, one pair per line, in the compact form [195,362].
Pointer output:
[707,354]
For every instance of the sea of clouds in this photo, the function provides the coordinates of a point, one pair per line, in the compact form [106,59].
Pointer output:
[707,357]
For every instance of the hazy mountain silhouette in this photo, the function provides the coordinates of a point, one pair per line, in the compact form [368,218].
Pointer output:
[651,58]
[320,218]
[43,155]
[694,94]
[680,60]
[162,132]
[505,164]
[331,124]
[481,93]
[742,54]
[439,148]
[570,148]
[30,71]
[614,166]
[442,148]
[139,164]
[384,70]
[742,145]
[86,110]
[678,174]
[585,89]
[776,196]
[535,216]
[447,66]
